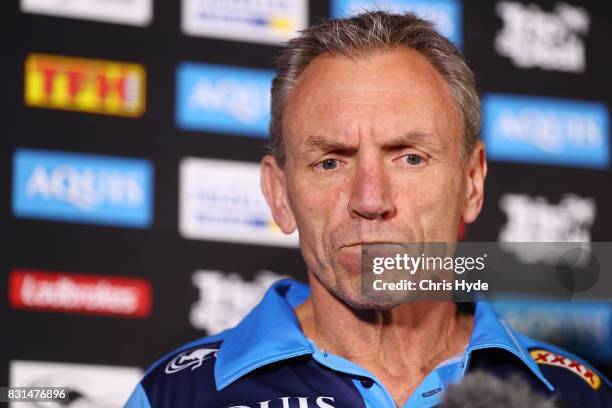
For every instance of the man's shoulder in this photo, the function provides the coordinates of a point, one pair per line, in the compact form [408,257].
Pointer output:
[186,373]
[572,377]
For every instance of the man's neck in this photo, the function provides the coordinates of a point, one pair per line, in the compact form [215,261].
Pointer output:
[399,346]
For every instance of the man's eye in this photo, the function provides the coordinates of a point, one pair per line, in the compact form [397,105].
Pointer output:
[413,159]
[329,164]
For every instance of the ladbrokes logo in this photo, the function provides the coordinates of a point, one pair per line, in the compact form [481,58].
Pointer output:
[223,99]
[533,38]
[86,85]
[82,188]
[226,298]
[546,130]
[78,293]
[221,200]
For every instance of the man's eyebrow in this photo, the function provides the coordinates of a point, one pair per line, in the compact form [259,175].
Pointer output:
[321,143]
[414,138]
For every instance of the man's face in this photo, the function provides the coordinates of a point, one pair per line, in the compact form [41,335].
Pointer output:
[373,155]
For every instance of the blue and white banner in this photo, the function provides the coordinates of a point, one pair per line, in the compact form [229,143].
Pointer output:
[560,132]
[82,188]
[447,15]
[220,98]
[221,200]
[259,21]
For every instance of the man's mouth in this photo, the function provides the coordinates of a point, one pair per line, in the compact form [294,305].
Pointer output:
[373,242]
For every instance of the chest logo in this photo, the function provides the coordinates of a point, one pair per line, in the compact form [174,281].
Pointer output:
[191,358]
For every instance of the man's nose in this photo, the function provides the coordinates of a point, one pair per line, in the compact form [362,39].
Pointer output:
[371,195]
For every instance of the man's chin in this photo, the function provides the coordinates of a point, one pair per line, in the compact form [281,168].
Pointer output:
[370,304]
[350,289]
[355,298]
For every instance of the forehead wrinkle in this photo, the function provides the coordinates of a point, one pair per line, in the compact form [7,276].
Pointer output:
[415,138]
[355,95]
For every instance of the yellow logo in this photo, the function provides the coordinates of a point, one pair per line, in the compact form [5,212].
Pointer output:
[553,359]
[85,85]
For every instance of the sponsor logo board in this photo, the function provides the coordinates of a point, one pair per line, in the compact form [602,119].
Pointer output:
[82,188]
[225,99]
[262,21]
[85,85]
[447,15]
[89,385]
[221,200]
[79,293]
[551,40]
[226,298]
[131,12]
[535,219]
[548,131]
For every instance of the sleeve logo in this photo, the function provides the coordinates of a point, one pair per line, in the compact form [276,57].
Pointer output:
[553,359]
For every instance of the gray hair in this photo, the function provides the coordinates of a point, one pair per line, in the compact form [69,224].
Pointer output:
[364,34]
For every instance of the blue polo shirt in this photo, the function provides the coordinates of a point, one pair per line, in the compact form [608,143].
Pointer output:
[267,362]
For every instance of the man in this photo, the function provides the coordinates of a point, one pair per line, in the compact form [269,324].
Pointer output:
[374,139]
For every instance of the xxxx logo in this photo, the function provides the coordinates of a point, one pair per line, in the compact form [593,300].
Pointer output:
[553,359]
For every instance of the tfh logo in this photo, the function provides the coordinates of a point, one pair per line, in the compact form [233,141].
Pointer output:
[80,84]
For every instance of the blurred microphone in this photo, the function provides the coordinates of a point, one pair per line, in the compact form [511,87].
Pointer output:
[483,390]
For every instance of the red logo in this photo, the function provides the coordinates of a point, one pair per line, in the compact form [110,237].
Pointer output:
[79,293]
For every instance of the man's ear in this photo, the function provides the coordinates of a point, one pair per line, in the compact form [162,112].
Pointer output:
[274,188]
[476,174]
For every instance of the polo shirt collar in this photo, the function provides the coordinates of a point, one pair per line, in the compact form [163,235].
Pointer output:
[491,332]
[271,333]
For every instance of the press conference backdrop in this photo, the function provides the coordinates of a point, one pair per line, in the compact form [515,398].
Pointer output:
[132,219]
